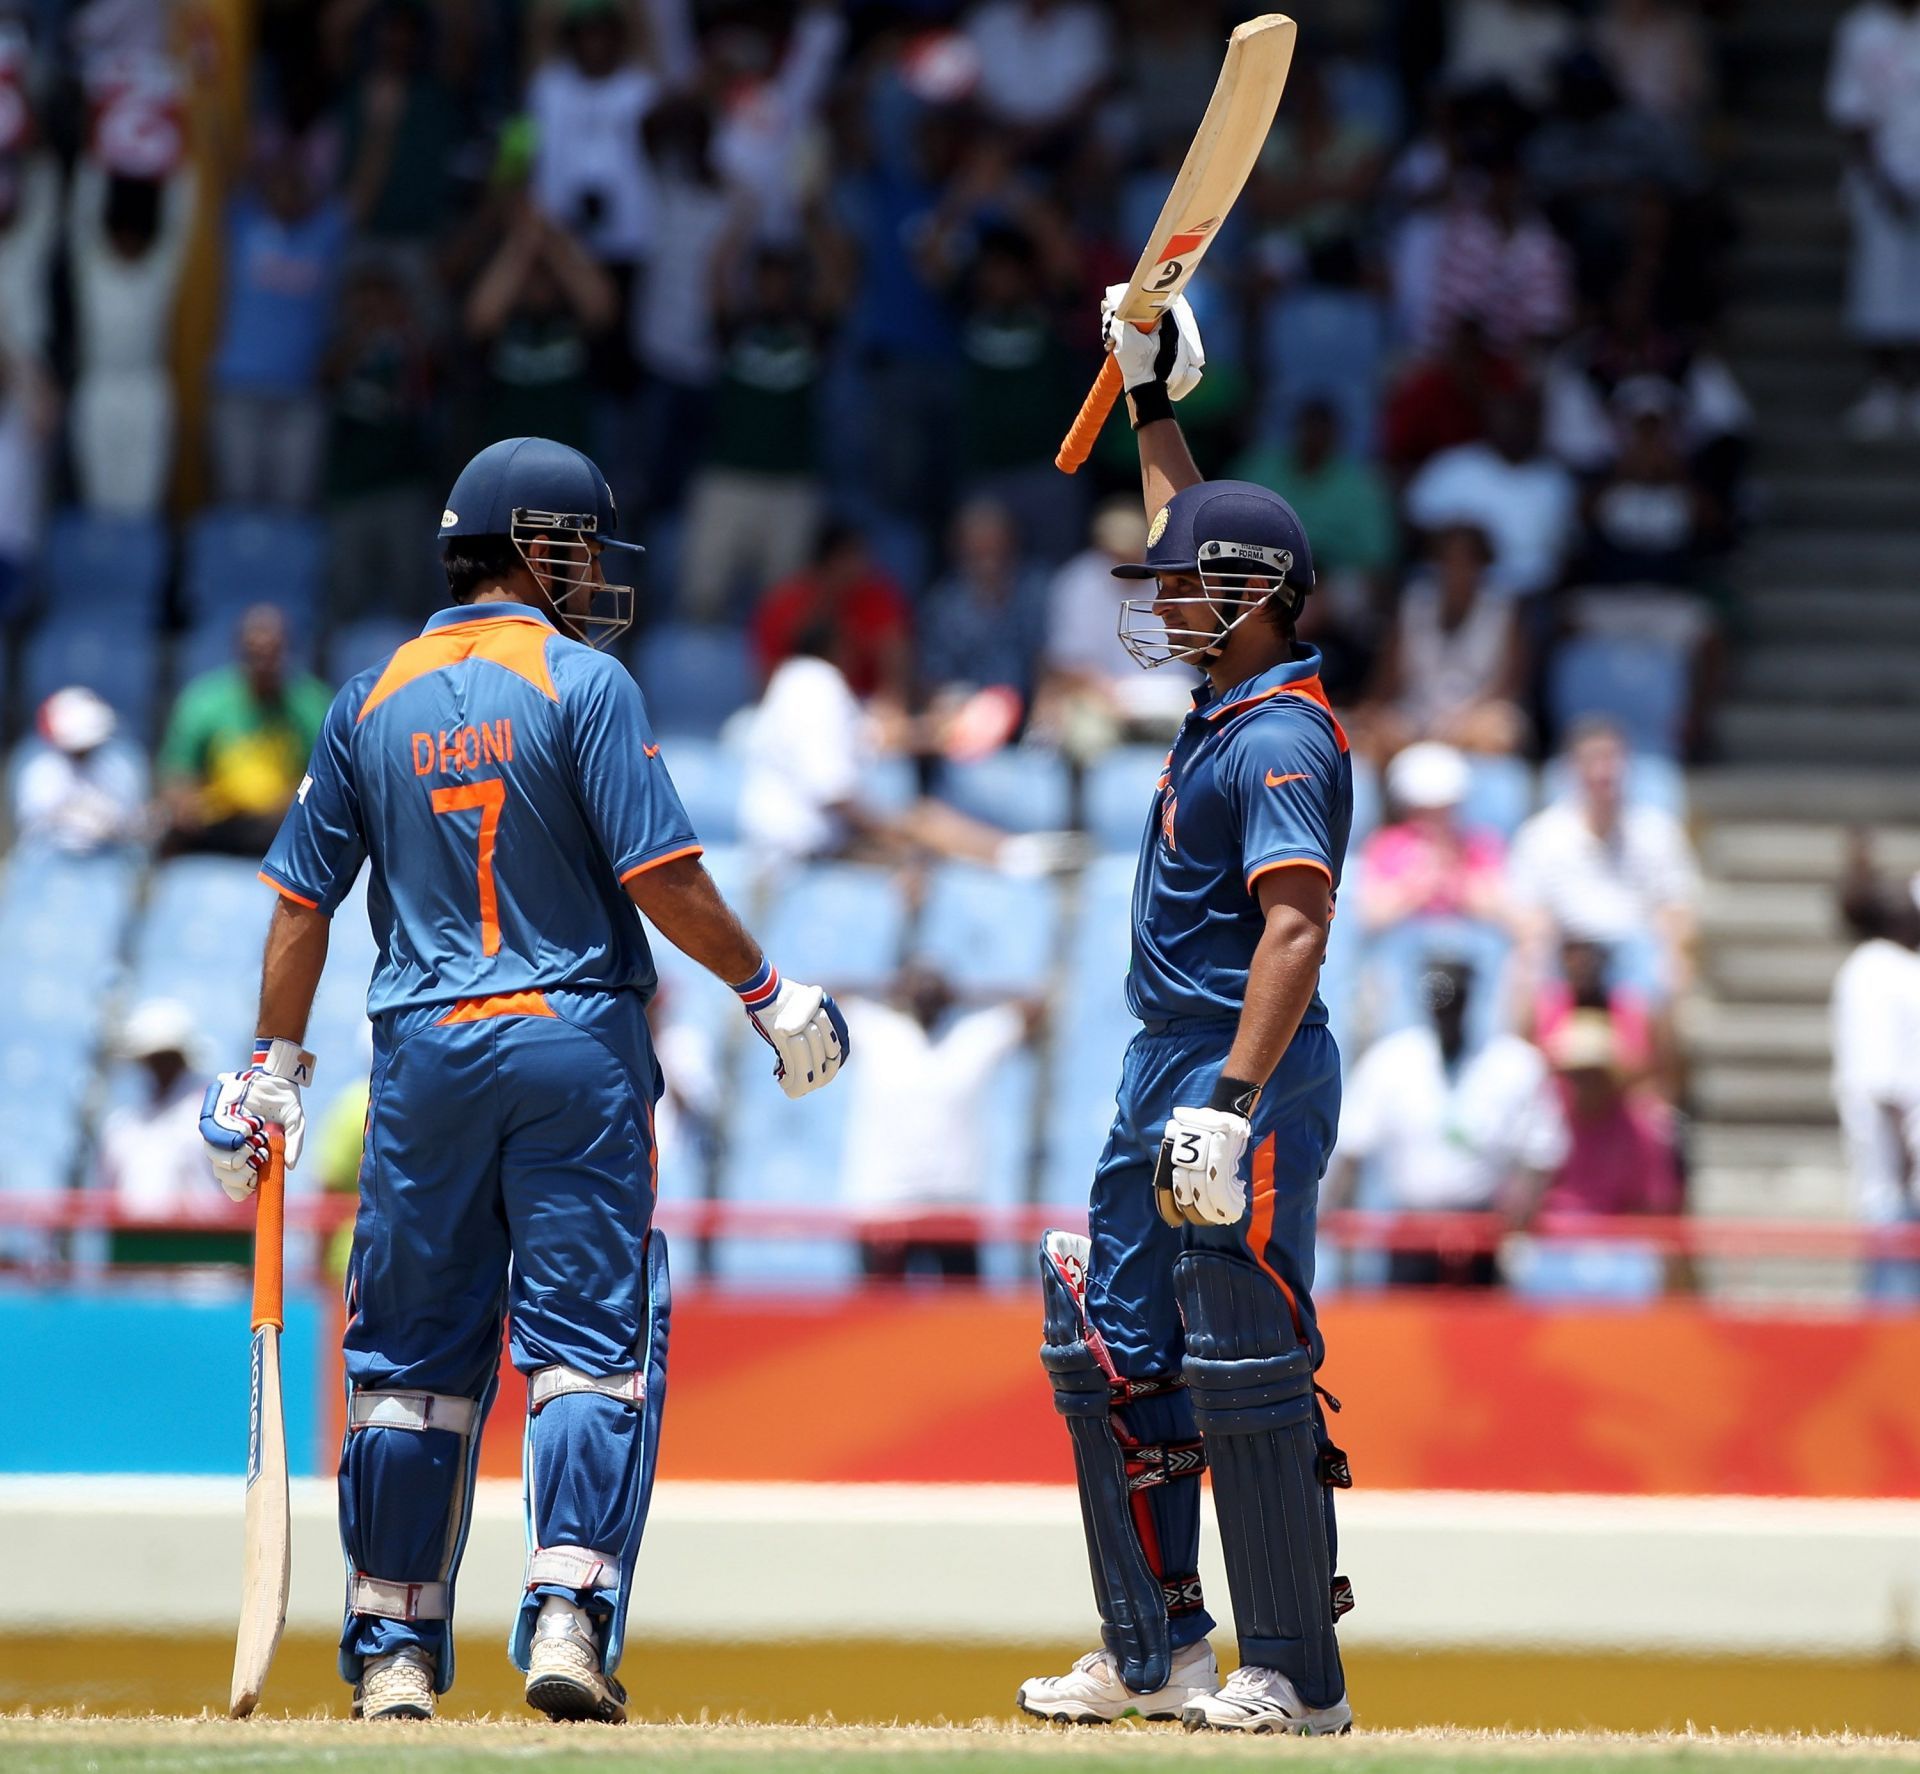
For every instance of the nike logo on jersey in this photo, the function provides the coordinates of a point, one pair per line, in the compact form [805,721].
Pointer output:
[652,751]
[1274,781]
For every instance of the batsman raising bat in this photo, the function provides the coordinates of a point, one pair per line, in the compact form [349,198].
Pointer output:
[1181,1336]
[498,776]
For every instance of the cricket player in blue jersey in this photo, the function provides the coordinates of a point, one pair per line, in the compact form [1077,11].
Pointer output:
[1181,1336]
[498,775]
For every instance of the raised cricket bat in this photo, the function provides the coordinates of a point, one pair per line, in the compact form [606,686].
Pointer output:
[1215,170]
[263,1591]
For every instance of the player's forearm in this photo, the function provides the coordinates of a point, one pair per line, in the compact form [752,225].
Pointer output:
[1166,464]
[290,973]
[680,901]
[1280,986]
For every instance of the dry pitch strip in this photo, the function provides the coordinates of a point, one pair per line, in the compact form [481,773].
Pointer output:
[72,1744]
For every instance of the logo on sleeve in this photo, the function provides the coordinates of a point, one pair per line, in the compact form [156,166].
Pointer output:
[652,751]
[300,794]
[1274,781]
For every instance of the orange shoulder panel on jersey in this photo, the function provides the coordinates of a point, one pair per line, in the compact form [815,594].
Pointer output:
[519,646]
[1309,688]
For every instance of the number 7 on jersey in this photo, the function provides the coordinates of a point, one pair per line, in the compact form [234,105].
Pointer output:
[489,796]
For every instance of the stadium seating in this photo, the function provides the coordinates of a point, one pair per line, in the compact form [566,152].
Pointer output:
[1640,684]
[200,942]
[103,569]
[1499,794]
[235,557]
[707,776]
[355,646]
[694,678]
[120,663]
[1327,344]
[1119,794]
[1019,787]
[1091,1030]
[1651,782]
[988,932]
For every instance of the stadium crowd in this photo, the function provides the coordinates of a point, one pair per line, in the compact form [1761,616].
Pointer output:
[817,285]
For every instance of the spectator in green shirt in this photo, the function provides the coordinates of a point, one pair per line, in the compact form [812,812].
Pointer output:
[1348,511]
[238,742]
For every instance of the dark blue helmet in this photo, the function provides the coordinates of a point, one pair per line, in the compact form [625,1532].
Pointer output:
[532,489]
[1246,544]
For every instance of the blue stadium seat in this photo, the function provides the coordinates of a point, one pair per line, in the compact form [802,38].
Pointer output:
[1499,794]
[236,556]
[1642,684]
[355,646]
[988,932]
[1019,787]
[107,570]
[200,942]
[1651,782]
[1329,344]
[1094,1027]
[1120,789]
[1396,958]
[1366,804]
[836,924]
[707,776]
[120,663]
[694,678]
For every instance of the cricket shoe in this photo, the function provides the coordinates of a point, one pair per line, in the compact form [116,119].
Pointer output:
[396,1686]
[564,1676]
[1263,1700]
[1092,1693]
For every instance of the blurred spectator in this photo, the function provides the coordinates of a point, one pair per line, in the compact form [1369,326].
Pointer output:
[1647,521]
[28,405]
[1600,869]
[1454,665]
[151,1157]
[1584,985]
[379,374]
[1497,262]
[1512,43]
[535,313]
[1873,98]
[1427,863]
[686,1121]
[283,248]
[866,616]
[238,743]
[1622,1151]
[126,239]
[1875,1016]
[1450,1128]
[1507,487]
[1657,53]
[79,791]
[755,504]
[29,221]
[916,1121]
[1318,171]
[985,623]
[1441,402]
[403,128]
[768,144]
[1094,694]
[1347,508]
[1041,62]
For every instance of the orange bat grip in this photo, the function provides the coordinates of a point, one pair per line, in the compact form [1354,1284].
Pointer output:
[1084,433]
[269,1237]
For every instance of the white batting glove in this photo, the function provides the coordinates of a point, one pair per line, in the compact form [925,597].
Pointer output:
[802,1025]
[1200,1158]
[240,1106]
[1170,353]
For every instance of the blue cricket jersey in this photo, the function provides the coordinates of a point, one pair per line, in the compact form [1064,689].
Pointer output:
[503,783]
[1259,778]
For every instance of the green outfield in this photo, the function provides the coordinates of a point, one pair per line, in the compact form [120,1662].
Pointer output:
[80,1745]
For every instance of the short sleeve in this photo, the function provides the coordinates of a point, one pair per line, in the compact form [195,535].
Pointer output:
[321,843]
[1282,777]
[629,797]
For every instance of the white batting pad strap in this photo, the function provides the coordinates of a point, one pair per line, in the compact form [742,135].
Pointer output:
[396,1601]
[410,1410]
[573,1567]
[545,1384]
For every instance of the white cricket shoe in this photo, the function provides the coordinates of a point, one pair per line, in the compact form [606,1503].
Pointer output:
[1877,416]
[1263,1700]
[396,1686]
[564,1676]
[1092,1693]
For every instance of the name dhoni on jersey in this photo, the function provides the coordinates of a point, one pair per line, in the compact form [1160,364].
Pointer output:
[456,749]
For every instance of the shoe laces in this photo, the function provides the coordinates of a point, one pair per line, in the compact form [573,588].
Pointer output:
[1251,1682]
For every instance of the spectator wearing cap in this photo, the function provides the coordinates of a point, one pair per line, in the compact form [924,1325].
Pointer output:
[238,742]
[1508,487]
[1622,1152]
[1598,867]
[1449,1126]
[152,1162]
[1454,666]
[1426,862]
[78,791]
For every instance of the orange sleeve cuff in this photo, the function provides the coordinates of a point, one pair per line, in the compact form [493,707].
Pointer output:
[1289,862]
[654,862]
[286,892]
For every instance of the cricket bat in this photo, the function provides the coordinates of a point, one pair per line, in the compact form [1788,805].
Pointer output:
[1215,170]
[263,1592]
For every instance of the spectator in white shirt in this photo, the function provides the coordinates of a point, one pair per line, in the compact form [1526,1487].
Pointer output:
[1517,43]
[1041,61]
[1451,1128]
[1508,487]
[1876,1066]
[1873,98]
[78,791]
[152,1158]
[916,1118]
[1597,869]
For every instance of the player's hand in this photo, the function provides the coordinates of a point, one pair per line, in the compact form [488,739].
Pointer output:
[239,1106]
[802,1025]
[1198,1176]
[1171,354]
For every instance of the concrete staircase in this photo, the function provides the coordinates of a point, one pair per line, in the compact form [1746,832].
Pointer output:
[1820,730]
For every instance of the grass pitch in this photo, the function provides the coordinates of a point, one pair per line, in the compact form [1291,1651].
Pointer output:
[76,1744]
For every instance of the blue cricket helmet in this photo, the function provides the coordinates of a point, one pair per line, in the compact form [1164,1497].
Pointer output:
[532,489]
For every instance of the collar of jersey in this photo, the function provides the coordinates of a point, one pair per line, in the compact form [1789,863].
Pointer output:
[1291,674]
[493,612]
